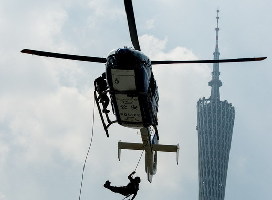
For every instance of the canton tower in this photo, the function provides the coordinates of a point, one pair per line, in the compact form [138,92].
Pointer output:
[215,120]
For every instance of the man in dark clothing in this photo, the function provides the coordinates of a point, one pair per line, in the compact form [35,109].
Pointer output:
[131,188]
[101,86]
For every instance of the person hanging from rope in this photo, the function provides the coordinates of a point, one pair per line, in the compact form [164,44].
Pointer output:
[131,188]
[101,86]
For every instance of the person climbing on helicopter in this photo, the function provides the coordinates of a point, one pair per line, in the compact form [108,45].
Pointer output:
[131,188]
[101,86]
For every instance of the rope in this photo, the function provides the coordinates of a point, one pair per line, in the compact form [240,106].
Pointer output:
[127,196]
[83,169]
[135,171]
[139,160]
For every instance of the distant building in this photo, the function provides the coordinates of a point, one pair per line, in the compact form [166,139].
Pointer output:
[215,120]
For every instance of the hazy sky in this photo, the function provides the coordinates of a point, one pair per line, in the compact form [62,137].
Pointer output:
[46,104]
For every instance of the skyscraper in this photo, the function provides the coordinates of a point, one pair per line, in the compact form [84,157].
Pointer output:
[215,120]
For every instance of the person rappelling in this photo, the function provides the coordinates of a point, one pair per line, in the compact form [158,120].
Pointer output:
[131,188]
[101,86]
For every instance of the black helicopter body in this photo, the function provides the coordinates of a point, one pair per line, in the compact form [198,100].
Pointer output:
[132,88]
[132,91]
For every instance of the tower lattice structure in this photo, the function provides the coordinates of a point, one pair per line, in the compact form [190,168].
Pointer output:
[215,121]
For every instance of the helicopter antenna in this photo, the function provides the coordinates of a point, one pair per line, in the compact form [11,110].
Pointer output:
[216,83]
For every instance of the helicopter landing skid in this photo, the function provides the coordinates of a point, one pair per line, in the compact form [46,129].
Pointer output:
[151,147]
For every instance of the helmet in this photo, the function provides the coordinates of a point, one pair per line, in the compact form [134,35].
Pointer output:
[137,179]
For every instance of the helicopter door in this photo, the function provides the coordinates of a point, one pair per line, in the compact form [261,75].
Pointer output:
[126,97]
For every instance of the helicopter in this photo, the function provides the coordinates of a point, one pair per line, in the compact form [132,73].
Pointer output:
[129,85]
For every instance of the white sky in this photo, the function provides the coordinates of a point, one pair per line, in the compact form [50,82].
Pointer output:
[46,104]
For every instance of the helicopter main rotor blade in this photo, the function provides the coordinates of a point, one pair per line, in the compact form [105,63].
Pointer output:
[132,24]
[65,56]
[208,61]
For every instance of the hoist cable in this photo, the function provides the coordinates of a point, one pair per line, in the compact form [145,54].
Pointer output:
[84,165]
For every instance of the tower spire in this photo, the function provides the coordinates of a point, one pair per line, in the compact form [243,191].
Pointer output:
[215,121]
[215,83]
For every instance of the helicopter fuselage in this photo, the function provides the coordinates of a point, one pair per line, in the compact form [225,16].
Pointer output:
[132,88]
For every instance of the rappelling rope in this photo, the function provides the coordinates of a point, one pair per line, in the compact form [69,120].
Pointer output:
[127,196]
[91,141]
[135,171]
[139,161]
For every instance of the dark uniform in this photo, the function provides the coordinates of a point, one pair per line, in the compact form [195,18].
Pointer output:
[101,86]
[131,188]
